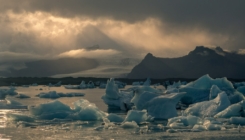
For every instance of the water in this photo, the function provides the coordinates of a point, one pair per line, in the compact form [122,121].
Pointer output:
[77,130]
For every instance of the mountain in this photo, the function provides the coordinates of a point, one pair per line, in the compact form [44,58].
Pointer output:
[45,68]
[202,60]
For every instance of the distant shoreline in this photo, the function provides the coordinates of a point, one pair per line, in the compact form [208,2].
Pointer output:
[76,81]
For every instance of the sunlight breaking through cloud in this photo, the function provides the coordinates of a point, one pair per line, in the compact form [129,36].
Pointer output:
[44,33]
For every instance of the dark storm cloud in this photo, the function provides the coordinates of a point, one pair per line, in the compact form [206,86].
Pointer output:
[222,16]
[211,13]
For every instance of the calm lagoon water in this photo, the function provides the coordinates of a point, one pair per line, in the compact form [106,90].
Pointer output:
[79,130]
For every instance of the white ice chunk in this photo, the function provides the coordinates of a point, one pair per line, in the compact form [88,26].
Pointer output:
[19,117]
[137,116]
[237,120]
[129,125]
[50,107]
[143,99]
[234,110]
[22,96]
[115,118]
[186,120]
[197,128]
[164,107]
[209,108]
[51,94]
[111,90]
[86,111]
[12,102]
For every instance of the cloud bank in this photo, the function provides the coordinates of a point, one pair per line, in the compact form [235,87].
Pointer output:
[133,28]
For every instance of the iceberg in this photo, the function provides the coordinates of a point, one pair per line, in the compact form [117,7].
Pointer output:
[115,118]
[164,106]
[185,120]
[140,99]
[147,82]
[129,125]
[198,128]
[112,91]
[22,96]
[86,111]
[51,108]
[209,108]
[115,99]
[83,110]
[12,102]
[206,82]
[237,120]
[234,110]
[199,90]
[54,94]
[241,89]
[55,85]
[50,94]
[90,85]
[19,117]
[136,116]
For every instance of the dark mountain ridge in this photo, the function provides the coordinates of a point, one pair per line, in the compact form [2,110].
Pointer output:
[202,60]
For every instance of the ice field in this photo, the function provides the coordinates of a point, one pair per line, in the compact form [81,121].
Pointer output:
[203,109]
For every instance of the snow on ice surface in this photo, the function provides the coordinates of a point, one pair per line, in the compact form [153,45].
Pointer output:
[209,108]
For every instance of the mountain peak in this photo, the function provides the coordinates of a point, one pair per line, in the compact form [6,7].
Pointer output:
[149,55]
[205,51]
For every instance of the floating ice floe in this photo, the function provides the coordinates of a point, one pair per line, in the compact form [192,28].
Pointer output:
[9,103]
[185,120]
[209,108]
[129,125]
[136,116]
[115,118]
[83,110]
[11,91]
[55,85]
[54,94]
[22,96]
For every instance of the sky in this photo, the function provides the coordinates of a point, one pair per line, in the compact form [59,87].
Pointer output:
[44,29]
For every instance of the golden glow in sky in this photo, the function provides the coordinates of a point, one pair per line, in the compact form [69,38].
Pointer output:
[65,36]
